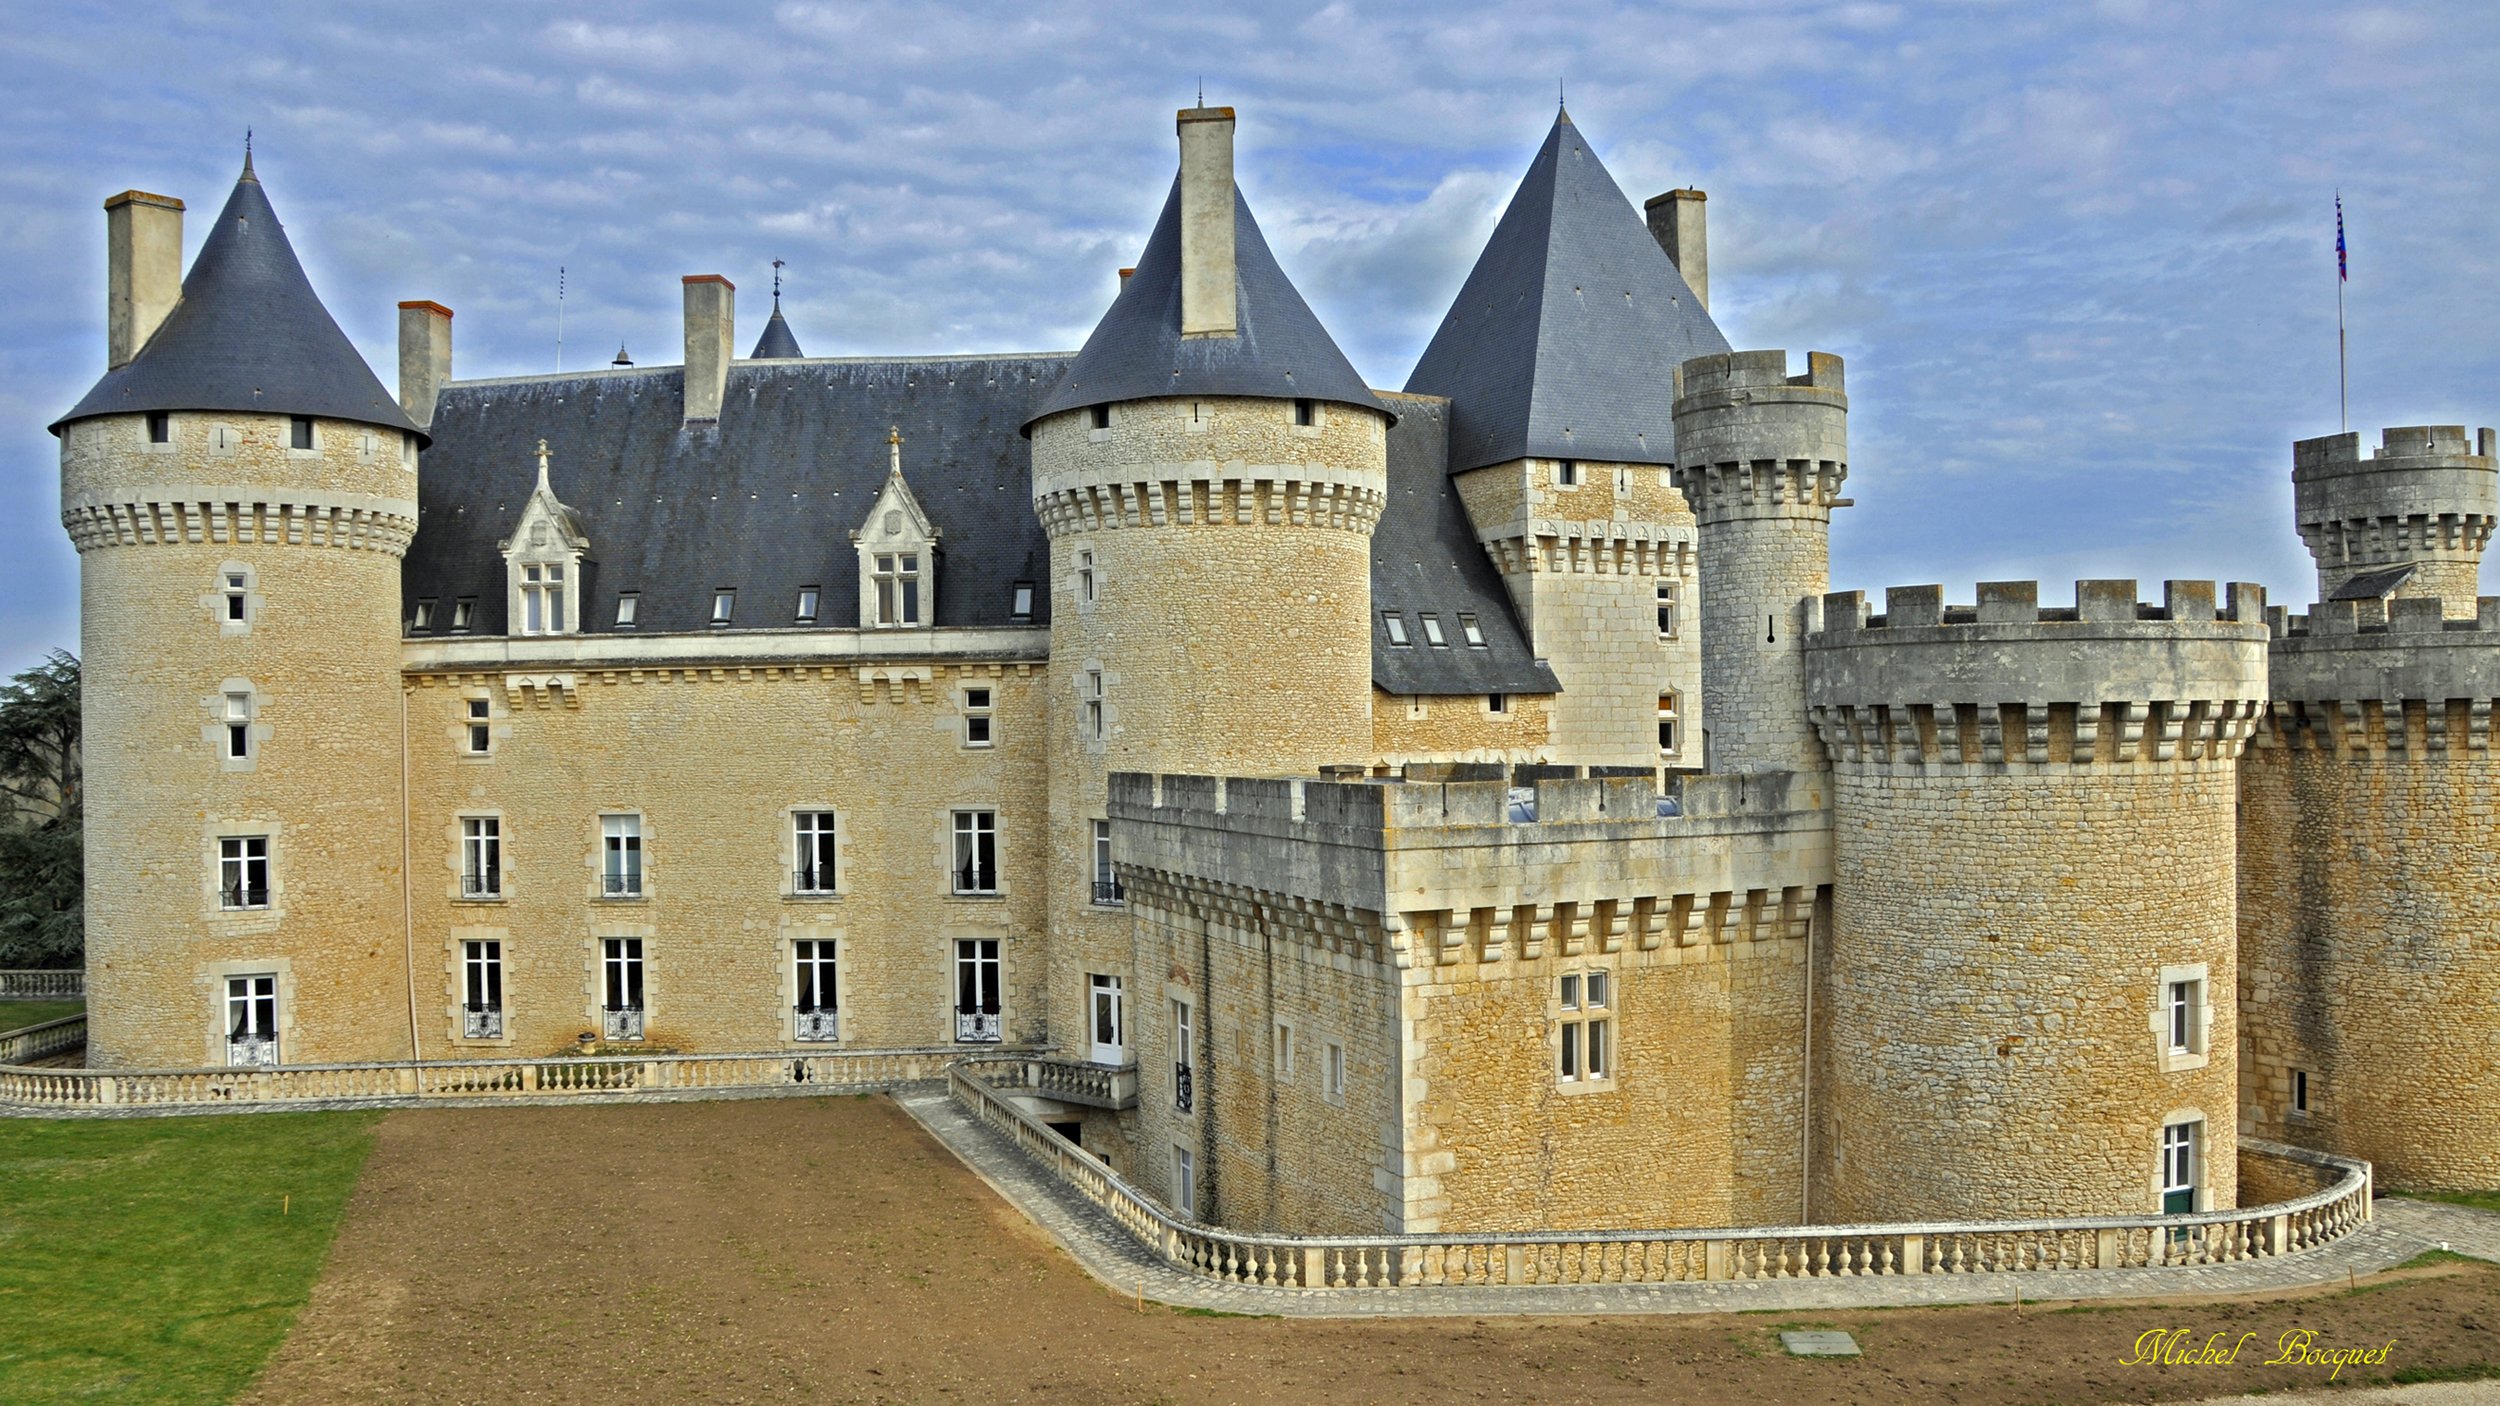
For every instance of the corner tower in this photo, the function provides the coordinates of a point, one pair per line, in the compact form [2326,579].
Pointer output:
[2408,521]
[1761,456]
[240,489]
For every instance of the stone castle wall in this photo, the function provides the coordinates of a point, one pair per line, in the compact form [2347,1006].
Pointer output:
[318,536]
[2032,838]
[2368,904]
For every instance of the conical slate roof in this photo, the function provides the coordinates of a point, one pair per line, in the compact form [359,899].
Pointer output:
[1137,350]
[249,334]
[776,344]
[1564,340]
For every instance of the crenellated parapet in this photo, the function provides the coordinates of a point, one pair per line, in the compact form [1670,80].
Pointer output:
[199,516]
[2352,679]
[2409,519]
[1753,441]
[2109,681]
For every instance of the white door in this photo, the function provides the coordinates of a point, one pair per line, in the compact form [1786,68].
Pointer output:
[1110,1044]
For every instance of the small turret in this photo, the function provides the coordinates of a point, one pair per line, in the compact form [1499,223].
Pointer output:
[2408,521]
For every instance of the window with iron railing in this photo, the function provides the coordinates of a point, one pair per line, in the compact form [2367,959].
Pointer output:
[1107,890]
[252,1019]
[815,1015]
[977,1015]
[481,989]
[620,980]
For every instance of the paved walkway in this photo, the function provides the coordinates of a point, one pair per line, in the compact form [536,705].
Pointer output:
[2401,1230]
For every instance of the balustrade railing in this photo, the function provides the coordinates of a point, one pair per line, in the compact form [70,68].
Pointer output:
[35,1042]
[42,985]
[1672,1256]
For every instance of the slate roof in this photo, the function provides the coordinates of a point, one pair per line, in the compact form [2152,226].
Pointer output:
[1137,350]
[1563,341]
[1425,557]
[2373,585]
[765,502]
[777,343]
[249,334]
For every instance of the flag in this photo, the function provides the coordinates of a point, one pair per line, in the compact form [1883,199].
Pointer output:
[2343,263]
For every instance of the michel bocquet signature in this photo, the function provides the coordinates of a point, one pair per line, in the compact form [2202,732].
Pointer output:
[2297,1347]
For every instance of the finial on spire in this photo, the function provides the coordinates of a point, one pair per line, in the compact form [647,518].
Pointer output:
[776,285]
[247,155]
[542,455]
[894,448]
[1559,101]
[1202,91]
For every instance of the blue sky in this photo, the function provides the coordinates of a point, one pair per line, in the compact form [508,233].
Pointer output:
[2079,256]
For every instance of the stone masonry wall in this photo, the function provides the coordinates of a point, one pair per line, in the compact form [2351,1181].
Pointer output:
[1459,727]
[318,536]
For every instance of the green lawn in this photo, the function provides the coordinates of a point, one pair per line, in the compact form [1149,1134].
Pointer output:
[2479,1200]
[17,1015]
[160,1260]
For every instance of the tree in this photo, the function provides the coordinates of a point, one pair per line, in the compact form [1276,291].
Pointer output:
[42,860]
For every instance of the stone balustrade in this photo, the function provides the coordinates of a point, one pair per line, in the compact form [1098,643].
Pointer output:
[75,1092]
[46,985]
[1091,1085]
[35,1042]
[1671,1256]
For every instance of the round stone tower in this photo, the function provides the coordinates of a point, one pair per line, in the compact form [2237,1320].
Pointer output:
[2370,988]
[2408,521]
[2028,1006]
[1760,456]
[240,489]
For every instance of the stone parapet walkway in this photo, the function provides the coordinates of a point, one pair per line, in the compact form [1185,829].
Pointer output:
[2400,1230]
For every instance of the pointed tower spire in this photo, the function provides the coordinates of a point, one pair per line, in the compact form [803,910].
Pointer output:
[247,157]
[777,343]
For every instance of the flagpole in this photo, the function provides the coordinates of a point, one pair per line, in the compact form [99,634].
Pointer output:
[2343,274]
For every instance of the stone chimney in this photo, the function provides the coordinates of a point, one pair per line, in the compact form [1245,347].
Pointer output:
[1676,222]
[711,318]
[424,358]
[1207,301]
[143,269]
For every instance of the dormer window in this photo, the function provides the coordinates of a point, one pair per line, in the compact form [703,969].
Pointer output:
[898,553]
[807,605]
[1020,602]
[543,598]
[898,589]
[724,601]
[628,606]
[1474,632]
[1395,623]
[1432,632]
[424,618]
[463,614]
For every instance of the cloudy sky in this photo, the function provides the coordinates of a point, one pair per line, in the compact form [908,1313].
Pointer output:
[2080,257]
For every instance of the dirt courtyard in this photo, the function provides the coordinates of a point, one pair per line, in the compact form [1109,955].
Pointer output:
[830,1251]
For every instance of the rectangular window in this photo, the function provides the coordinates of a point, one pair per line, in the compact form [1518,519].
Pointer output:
[976,990]
[620,987]
[2178,1169]
[1020,601]
[238,591]
[1395,623]
[898,589]
[481,734]
[1586,1028]
[1566,473]
[1332,1072]
[2183,1002]
[980,714]
[1432,632]
[1085,575]
[243,871]
[481,856]
[1305,412]
[1091,721]
[816,842]
[463,614]
[2300,1092]
[1284,1050]
[1472,632]
[424,618]
[238,726]
[817,1009]
[1667,737]
[1669,597]
[807,605]
[542,599]
[160,427]
[620,871]
[252,1020]
[628,606]
[1110,1016]
[1184,1062]
[1497,704]
[1099,417]
[481,990]
[976,851]
[1107,890]
[724,601]
[1184,1182]
[299,432]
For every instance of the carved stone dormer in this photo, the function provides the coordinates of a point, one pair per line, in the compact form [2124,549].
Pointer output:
[898,548]
[543,563]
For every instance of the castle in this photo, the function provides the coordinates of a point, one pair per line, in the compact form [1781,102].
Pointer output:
[1466,807]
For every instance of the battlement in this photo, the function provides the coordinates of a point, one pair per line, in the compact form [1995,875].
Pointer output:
[2411,518]
[2110,679]
[2355,675]
[2330,453]
[1725,372]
